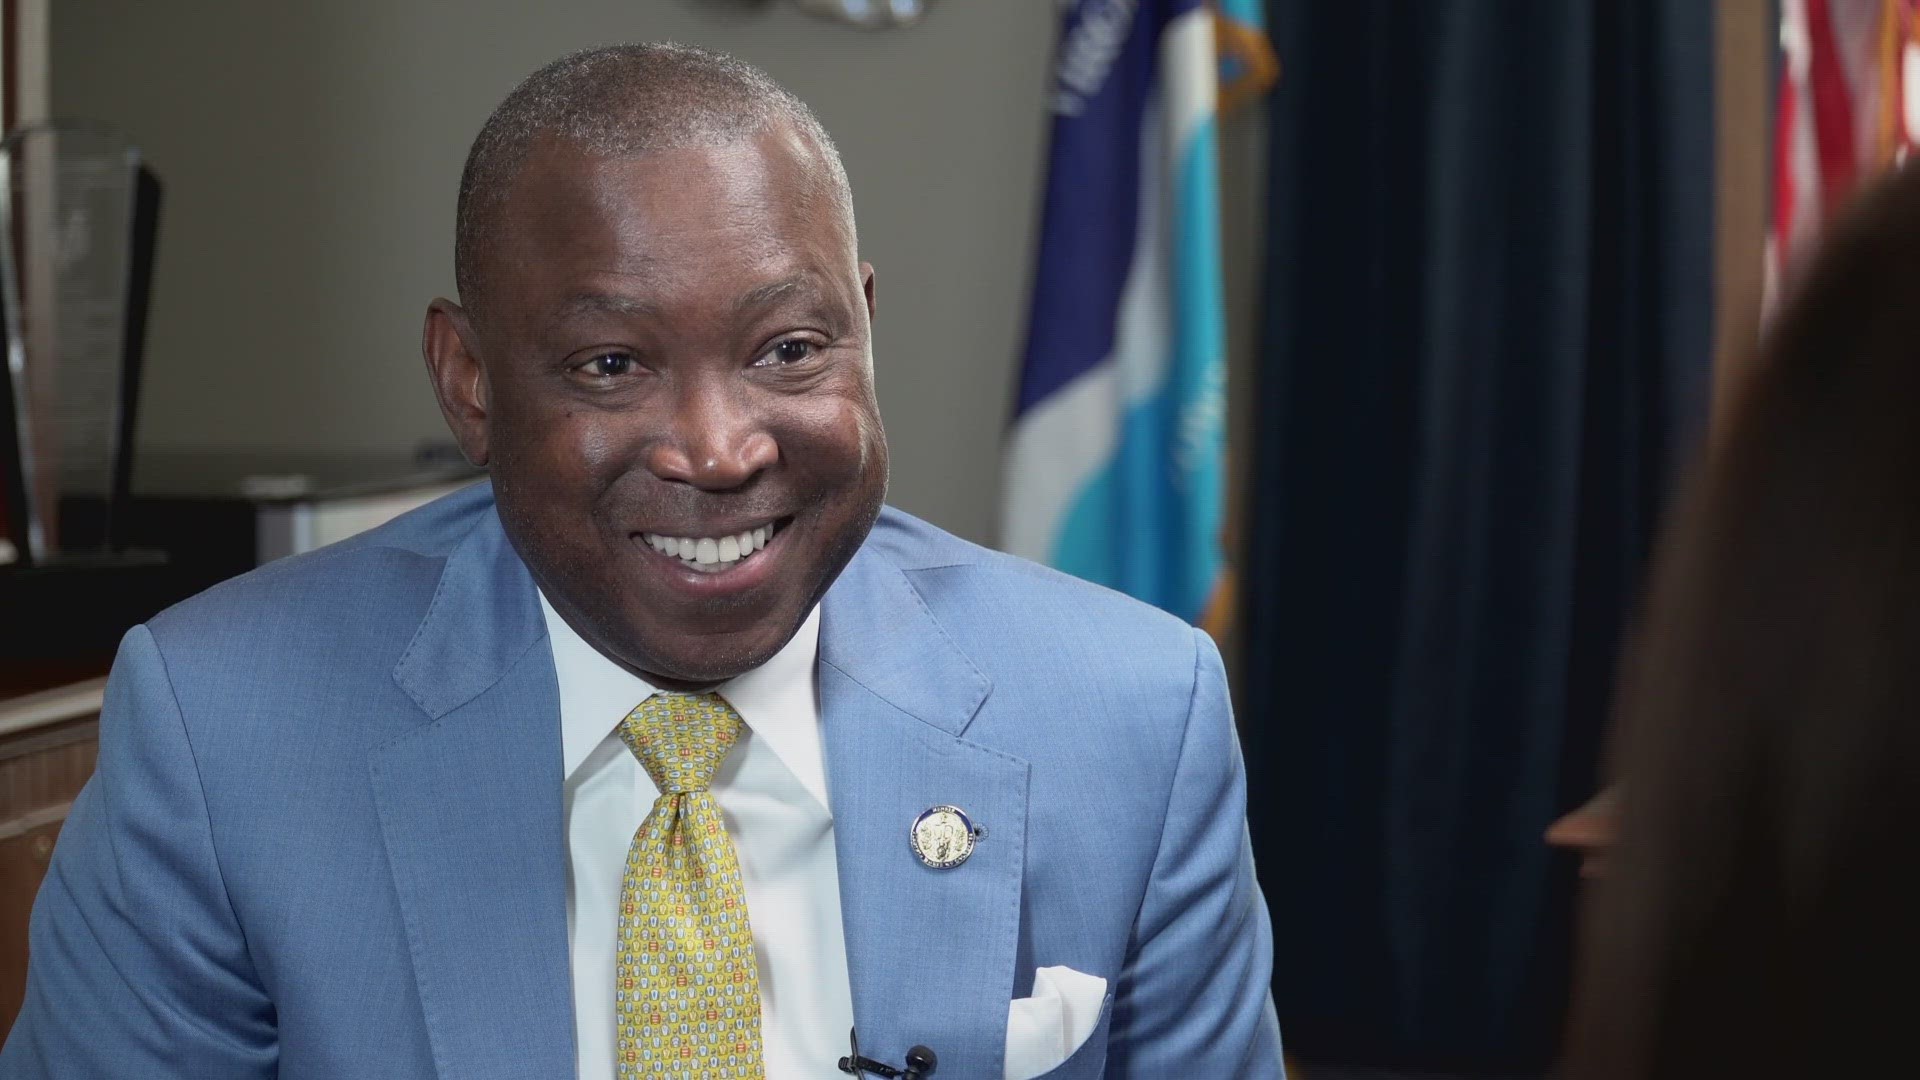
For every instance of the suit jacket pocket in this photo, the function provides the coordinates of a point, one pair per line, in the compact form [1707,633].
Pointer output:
[1087,1062]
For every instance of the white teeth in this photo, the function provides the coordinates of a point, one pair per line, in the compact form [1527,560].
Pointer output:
[711,553]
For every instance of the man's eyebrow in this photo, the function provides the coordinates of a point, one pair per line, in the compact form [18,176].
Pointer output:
[598,303]
[805,283]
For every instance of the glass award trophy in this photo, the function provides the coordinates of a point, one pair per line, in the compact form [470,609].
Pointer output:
[78,211]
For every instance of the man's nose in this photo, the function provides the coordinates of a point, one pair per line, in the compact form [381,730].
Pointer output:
[716,441]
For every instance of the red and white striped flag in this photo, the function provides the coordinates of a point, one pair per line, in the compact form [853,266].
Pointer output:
[1848,106]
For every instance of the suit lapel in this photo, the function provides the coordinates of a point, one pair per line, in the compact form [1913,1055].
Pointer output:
[930,953]
[470,810]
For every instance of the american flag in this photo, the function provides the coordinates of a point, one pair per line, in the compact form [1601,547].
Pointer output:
[1848,106]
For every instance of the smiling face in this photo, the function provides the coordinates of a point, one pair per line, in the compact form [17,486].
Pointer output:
[673,365]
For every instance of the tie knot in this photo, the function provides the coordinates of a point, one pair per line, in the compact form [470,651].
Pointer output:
[681,739]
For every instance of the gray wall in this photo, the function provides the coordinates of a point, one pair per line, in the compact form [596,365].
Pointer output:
[310,153]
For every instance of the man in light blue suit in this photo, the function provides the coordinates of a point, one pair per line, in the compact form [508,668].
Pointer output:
[356,813]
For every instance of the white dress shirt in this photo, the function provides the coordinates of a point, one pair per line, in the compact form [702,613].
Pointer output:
[772,791]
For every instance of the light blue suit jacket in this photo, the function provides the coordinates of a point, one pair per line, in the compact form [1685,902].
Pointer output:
[325,836]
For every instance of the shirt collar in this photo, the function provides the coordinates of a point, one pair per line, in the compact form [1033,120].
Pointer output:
[777,700]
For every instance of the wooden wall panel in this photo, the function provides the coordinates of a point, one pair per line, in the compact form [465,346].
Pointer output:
[48,745]
[1743,99]
[23,863]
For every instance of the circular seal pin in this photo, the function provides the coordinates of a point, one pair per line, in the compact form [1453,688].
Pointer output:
[943,836]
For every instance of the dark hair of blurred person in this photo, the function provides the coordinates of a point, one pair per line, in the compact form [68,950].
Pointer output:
[1760,917]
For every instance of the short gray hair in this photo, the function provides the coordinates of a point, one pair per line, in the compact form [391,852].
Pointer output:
[623,101]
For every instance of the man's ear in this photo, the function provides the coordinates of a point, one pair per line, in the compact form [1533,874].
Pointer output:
[451,350]
[866,286]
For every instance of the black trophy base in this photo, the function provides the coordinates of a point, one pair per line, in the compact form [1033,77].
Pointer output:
[101,559]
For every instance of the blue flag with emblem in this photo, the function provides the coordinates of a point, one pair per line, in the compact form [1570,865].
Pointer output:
[1115,461]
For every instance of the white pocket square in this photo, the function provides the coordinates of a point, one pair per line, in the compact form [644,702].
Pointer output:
[1045,1029]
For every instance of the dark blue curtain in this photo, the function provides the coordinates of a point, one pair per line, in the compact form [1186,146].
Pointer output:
[1486,346]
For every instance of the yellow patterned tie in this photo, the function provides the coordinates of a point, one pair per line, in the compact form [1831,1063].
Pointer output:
[686,989]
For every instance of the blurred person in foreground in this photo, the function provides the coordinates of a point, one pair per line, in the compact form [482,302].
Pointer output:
[669,752]
[1758,918]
